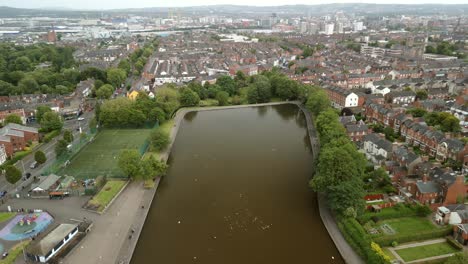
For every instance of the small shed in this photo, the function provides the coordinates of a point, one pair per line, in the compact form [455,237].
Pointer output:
[45,184]
[44,249]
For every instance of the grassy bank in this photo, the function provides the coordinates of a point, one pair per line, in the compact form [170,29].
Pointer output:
[106,194]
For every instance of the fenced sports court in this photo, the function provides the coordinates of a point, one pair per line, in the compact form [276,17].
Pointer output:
[100,155]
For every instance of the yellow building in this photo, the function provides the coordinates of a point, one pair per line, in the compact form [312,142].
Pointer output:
[132,95]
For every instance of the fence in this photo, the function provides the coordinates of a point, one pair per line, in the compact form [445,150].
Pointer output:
[142,150]
[85,138]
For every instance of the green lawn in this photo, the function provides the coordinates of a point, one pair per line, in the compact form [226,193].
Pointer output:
[406,225]
[107,193]
[6,216]
[208,102]
[14,253]
[414,253]
[100,156]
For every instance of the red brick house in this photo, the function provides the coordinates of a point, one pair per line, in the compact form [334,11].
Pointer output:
[14,137]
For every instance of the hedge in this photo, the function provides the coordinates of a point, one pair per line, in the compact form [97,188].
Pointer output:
[385,241]
[360,241]
[49,136]
[454,243]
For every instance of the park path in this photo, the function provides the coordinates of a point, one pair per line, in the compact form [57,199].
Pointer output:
[110,230]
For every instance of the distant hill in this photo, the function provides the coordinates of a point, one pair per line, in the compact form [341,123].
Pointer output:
[238,9]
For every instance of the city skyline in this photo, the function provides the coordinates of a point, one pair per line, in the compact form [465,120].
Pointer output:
[110,4]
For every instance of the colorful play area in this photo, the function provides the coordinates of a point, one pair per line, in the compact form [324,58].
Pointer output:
[24,226]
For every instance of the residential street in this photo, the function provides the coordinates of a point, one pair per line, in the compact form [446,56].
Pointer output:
[49,149]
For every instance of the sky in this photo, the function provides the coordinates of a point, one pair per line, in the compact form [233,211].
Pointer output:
[115,4]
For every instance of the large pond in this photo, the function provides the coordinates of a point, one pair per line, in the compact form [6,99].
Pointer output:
[237,192]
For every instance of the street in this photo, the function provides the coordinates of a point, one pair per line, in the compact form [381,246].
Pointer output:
[49,150]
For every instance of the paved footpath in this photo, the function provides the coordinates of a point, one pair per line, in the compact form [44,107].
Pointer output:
[110,230]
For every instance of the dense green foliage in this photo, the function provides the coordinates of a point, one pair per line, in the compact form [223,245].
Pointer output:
[68,136]
[12,174]
[51,121]
[443,121]
[38,68]
[13,118]
[40,157]
[61,147]
[159,139]
[129,162]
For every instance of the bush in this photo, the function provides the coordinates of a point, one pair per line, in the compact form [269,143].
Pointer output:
[394,244]
[454,243]
[90,191]
[423,210]
[397,211]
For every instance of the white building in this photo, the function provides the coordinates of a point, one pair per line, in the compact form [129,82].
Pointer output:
[3,155]
[329,28]
[46,248]
[358,26]
[303,27]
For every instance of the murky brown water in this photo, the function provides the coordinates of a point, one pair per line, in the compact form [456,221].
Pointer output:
[237,193]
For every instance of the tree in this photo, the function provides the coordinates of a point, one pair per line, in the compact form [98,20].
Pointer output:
[125,65]
[390,134]
[317,102]
[159,139]
[227,84]
[129,162]
[151,167]
[68,136]
[260,90]
[157,114]
[13,118]
[116,76]
[40,157]
[421,95]
[189,98]
[120,112]
[168,99]
[416,112]
[28,85]
[51,121]
[61,148]
[222,98]
[40,111]
[13,174]
[105,91]
[346,195]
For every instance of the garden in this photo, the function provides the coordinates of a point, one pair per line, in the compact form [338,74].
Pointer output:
[426,251]
[102,199]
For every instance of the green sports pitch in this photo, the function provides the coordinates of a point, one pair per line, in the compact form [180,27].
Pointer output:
[100,156]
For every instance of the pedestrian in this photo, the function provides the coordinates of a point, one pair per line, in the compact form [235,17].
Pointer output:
[142,207]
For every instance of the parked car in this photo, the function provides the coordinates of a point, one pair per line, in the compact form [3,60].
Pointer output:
[80,118]
[34,165]
[3,193]
[4,255]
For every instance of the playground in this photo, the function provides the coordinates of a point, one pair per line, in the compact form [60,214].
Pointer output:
[100,156]
[24,226]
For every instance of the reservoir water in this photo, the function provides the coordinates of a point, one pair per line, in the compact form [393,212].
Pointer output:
[237,193]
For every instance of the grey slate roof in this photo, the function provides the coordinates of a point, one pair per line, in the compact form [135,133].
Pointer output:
[428,187]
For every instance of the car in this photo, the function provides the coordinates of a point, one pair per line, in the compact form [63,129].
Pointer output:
[4,255]
[34,165]
[3,193]
[80,118]
[28,175]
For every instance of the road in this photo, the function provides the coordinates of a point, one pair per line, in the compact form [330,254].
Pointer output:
[49,149]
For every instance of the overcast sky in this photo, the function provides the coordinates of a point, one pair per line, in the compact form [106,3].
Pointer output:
[112,4]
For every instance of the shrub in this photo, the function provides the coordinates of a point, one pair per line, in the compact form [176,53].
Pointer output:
[394,244]
[423,210]
[159,139]
[90,191]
